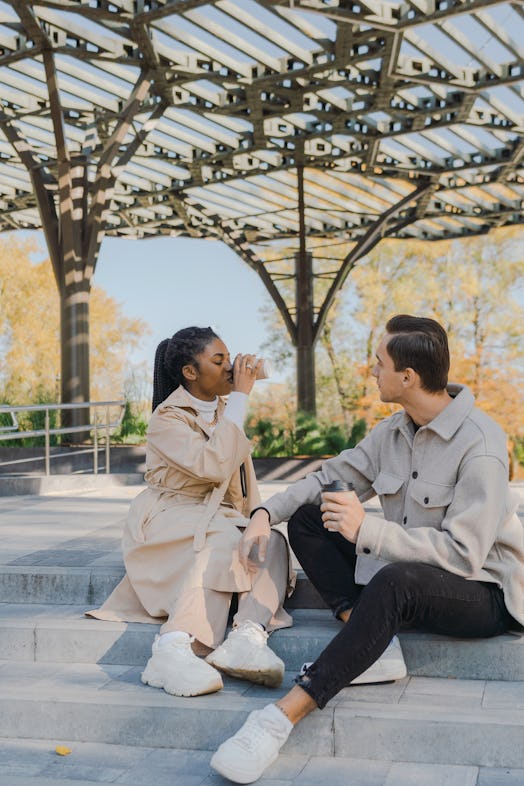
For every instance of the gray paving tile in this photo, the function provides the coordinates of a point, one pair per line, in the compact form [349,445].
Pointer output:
[460,693]
[14,780]
[17,674]
[509,695]
[385,693]
[342,772]
[126,681]
[74,558]
[94,773]
[403,774]
[86,761]
[489,776]
[164,767]
[77,676]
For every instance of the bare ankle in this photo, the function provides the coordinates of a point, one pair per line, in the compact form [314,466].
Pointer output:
[201,650]
[296,704]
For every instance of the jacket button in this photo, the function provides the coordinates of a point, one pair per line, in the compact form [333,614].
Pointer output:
[414,474]
[426,500]
[366,550]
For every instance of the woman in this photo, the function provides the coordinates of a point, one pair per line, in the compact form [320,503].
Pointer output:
[182,533]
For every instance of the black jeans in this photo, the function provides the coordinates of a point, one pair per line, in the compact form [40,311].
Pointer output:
[402,594]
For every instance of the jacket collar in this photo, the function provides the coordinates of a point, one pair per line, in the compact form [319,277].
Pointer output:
[447,422]
[180,398]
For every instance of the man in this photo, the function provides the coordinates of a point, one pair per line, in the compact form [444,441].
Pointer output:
[450,545]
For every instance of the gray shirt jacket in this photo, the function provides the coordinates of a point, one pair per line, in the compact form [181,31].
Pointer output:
[444,492]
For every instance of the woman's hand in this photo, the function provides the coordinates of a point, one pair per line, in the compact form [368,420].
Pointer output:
[342,512]
[257,534]
[245,368]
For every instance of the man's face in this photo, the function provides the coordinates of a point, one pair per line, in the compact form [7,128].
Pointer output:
[389,381]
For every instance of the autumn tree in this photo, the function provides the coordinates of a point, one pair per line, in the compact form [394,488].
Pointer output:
[470,285]
[485,320]
[30,332]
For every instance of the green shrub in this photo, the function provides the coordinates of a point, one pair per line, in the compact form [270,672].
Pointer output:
[269,438]
[32,421]
[133,427]
[308,437]
[519,451]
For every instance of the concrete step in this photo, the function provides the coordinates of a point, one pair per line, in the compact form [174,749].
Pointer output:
[78,584]
[419,720]
[35,763]
[63,634]
[14,485]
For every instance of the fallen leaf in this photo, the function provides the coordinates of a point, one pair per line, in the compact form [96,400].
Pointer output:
[62,750]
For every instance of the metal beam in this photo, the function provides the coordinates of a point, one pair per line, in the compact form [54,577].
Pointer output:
[363,247]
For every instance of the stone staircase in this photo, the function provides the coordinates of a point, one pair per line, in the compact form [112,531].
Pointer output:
[456,720]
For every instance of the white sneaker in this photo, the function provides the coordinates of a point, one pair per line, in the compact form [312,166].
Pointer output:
[246,655]
[389,667]
[174,667]
[244,756]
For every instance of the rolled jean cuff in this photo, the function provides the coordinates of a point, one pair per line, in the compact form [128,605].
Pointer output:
[304,682]
[344,605]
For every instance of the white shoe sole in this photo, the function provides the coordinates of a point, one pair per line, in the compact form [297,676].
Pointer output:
[228,771]
[155,680]
[388,668]
[272,678]
[387,675]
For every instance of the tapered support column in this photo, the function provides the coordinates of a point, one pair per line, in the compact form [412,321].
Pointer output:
[305,316]
[74,306]
[73,208]
[305,345]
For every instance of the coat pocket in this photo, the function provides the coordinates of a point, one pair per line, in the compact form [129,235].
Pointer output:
[431,498]
[432,495]
[386,483]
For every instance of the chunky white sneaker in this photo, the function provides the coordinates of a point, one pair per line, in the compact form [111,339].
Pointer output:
[174,667]
[246,655]
[244,756]
[389,667]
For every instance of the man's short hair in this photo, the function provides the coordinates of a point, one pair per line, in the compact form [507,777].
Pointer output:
[420,343]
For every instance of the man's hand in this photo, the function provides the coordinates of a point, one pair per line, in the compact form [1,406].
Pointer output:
[256,534]
[342,512]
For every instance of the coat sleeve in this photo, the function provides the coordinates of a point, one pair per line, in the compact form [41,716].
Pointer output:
[181,446]
[469,529]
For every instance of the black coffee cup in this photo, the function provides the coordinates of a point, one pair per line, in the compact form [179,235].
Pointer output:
[338,485]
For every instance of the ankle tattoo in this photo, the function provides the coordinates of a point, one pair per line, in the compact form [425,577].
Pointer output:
[282,710]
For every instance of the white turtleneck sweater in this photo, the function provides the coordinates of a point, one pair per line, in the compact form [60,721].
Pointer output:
[235,410]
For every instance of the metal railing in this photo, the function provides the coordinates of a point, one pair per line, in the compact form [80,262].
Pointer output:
[100,428]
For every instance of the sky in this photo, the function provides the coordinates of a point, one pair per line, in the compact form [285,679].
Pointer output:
[172,283]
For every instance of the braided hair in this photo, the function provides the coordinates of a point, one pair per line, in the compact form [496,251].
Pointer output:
[172,354]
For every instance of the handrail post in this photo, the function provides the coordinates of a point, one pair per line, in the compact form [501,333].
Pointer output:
[46,438]
[58,428]
[95,443]
[108,445]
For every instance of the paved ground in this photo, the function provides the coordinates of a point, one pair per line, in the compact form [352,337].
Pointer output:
[80,529]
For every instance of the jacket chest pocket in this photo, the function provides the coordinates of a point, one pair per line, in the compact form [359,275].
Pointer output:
[388,485]
[430,501]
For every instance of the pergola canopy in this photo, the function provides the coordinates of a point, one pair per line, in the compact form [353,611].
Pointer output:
[260,122]
[371,98]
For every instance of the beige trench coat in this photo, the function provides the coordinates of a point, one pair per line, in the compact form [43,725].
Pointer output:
[182,530]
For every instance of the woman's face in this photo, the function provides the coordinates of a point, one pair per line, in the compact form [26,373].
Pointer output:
[214,374]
